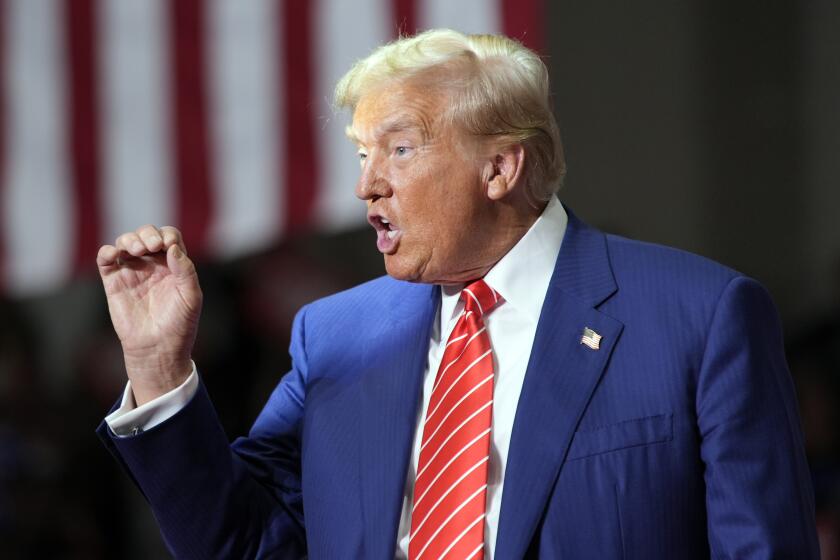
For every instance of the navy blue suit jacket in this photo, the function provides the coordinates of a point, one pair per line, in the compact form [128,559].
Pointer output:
[678,438]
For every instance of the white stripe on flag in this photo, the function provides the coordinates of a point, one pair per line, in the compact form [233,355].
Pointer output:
[346,32]
[137,174]
[466,16]
[37,224]
[245,126]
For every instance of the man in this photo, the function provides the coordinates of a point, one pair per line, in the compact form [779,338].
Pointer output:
[521,385]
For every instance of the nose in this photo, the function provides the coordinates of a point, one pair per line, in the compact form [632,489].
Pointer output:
[372,184]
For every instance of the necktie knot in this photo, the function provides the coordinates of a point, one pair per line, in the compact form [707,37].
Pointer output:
[480,298]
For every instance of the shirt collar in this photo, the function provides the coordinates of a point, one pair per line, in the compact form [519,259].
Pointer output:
[522,276]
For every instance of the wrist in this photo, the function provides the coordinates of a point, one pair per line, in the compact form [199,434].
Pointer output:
[154,376]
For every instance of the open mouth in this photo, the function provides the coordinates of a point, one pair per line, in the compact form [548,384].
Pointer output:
[390,230]
[387,234]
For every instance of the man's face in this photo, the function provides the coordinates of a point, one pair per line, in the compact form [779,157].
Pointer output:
[422,181]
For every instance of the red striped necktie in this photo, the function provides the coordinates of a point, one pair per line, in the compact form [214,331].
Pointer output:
[450,489]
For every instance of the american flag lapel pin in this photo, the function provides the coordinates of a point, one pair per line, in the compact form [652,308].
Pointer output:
[591,338]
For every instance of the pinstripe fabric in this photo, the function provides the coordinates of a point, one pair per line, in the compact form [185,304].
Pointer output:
[450,488]
[678,438]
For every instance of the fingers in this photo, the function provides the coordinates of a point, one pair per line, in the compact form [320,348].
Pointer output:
[130,243]
[145,240]
[172,236]
[107,256]
[149,239]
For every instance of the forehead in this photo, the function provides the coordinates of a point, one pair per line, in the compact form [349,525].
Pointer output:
[397,107]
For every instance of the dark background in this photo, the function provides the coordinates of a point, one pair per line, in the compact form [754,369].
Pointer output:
[710,126]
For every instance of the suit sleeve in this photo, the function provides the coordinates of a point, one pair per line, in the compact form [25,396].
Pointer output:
[759,496]
[213,499]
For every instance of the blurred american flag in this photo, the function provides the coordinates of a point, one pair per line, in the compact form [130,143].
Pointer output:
[211,115]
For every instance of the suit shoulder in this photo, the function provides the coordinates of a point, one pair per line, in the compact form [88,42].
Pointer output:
[666,290]
[662,268]
[339,330]
[376,298]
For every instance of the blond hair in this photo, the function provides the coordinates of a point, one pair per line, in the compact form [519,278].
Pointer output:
[498,88]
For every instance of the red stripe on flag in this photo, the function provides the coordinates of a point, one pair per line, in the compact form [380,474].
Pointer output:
[524,20]
[300,169]
[405,17]
[83,126]
[190,126]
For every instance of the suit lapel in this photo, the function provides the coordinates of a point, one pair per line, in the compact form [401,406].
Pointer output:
[388,404]
[561,377]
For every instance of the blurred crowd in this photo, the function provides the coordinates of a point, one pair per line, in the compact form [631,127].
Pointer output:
[814,359]
[63,496]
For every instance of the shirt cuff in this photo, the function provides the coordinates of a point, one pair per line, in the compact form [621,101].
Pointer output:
[130,419]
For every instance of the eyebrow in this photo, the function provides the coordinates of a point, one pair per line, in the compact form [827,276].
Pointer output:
[391,126]
[402,123]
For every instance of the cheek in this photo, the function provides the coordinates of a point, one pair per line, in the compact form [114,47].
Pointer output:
[428,218]
[437,203]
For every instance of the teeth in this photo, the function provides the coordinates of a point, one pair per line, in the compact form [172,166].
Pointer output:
[392,234]
[384,221]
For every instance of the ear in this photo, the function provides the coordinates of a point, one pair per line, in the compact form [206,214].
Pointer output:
[505,171]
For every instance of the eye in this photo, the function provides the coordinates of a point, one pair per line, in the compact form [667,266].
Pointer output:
[362,156]
[402,150]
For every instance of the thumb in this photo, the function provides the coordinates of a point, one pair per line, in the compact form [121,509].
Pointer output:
[179,263]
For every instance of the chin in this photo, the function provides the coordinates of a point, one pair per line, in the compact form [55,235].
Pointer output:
[403,269]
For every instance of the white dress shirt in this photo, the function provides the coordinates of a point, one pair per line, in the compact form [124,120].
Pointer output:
[521,277]
[129,419]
